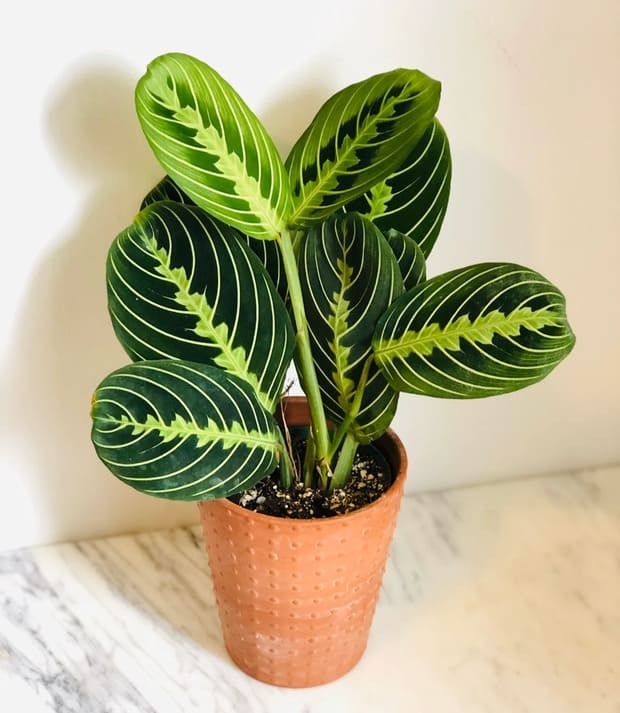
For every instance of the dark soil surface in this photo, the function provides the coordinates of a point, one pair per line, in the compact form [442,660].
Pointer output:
[369,479]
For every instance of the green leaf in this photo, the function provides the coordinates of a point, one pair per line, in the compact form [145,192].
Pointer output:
[409,257]
[165,190]
[348,278]
[266,250]
[182,430]
[358,137]
[479,331]
[414,198]
[268,253]
[213,146]
[183,285]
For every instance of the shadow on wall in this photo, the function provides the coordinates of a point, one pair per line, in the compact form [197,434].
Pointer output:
[64,343]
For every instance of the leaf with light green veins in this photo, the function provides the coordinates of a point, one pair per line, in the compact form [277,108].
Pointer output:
[414,198]
[165,190]
[349,276]
[479,331]
[213,145]
[183,430]
[409,257]
[183,285]
[358,137]
[266,250]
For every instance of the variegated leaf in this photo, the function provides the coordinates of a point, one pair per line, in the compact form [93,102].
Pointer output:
[479,331]
[183,285]
[348,277]
[414,198]
[266,250]
[213,146]
[182,430]
[270,258]
[409,257]
[358,137]
[165,190]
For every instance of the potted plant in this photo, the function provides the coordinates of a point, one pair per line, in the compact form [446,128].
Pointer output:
[239,262]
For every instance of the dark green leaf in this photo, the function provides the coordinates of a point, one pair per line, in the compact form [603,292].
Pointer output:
[409,257]
[414,198]
[266,250]
[348,277]
[182,430]
[359,136]
[165,190]
[479,331]
[183,285]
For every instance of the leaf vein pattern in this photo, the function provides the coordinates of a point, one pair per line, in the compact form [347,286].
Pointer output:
[226,162]
[481,331]
[229,437]
[232,359]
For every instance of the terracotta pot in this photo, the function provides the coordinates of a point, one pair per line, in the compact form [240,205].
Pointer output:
[296,597]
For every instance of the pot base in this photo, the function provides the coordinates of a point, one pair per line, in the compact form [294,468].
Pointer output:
[296,597]
[307,678]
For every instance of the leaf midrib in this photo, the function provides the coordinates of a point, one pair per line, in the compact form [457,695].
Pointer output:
[340,325]
[180,428]
[464,328]
[191,117]
[193,300]
[353,146]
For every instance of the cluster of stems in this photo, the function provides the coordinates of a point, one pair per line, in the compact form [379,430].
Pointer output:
[329,456]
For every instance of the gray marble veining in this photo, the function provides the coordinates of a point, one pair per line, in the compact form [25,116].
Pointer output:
[502,598]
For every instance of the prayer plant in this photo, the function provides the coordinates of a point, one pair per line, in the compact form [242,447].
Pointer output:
[238,262]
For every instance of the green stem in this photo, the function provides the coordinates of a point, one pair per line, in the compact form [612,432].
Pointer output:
[296,240]
[339,434]
[345,462]
[287,470]
[304,360]
[309,461]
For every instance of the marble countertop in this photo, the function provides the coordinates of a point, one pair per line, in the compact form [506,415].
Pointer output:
[500,598]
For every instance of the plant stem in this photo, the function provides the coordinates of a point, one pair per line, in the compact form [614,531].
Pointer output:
[304,360]
[309,460]
[340,433]
[345,462]
[287,470]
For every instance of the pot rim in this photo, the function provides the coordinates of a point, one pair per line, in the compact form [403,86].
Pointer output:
[294,523]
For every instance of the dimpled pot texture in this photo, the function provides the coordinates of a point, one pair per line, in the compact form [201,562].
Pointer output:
[296,597]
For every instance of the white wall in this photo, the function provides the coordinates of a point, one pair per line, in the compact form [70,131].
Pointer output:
[531,102]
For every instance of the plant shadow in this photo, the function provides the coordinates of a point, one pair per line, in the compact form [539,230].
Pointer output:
[63,343]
